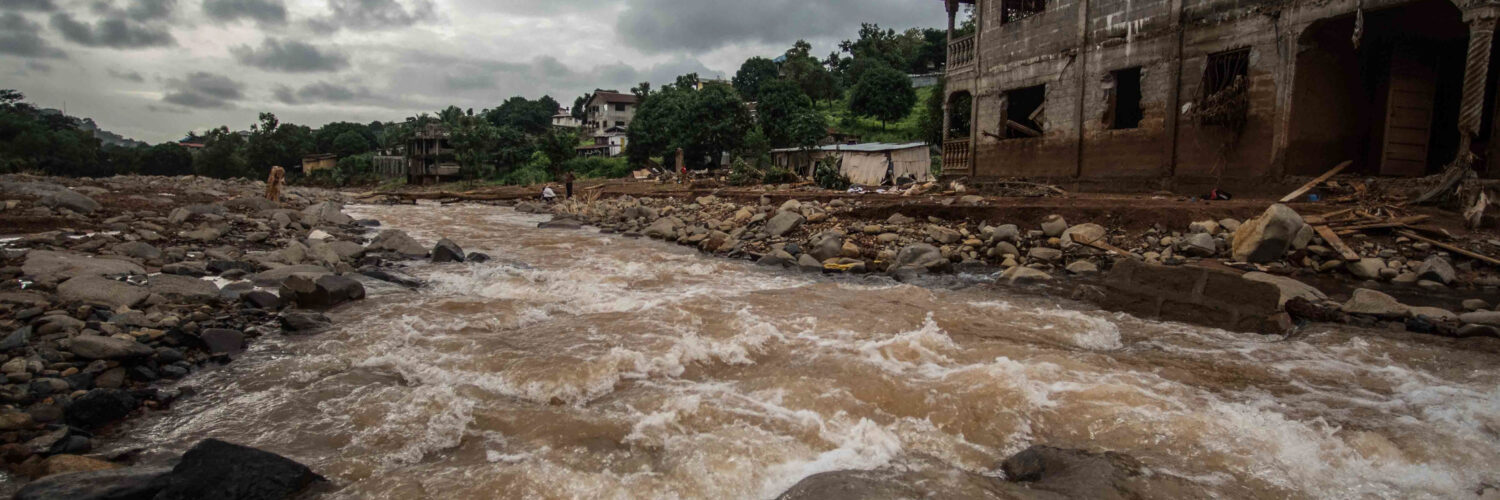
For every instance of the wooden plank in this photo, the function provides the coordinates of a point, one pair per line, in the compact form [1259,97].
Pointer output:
[1320,219]
[1105,246]
[1466,253]
[1321,179]
[1348,254]
[1022,128]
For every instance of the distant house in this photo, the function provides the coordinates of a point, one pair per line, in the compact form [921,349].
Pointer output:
[609,143]
[316,162]
[871,164]
[564,119]
[430,158]
[191,145]
[608,108]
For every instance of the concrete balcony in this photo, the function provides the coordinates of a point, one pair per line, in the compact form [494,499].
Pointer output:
[961,54]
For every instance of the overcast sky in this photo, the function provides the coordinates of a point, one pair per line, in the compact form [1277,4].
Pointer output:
[155,69]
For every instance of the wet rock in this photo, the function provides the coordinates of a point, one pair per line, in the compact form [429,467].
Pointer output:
[183,288]
[1198,245]
[1304,237]
[304,322]
[665,228]
[1074,473]
[274,277]
[1471,305]
[1472,330]
[1045,254]
[108,348]
[784,222]
[221,266]
[851,485]
[1082,267]
[398,242]
[824,246]
[320,292]
[477,257]
[1023,274]
[777,258]
[1266,238]
[100,407]
[96,290]
[447,251]
[223,340]
[898,219]
[920,256]
[1437,269]
[1490,318]
[117,484]
[327,212]
[65,464]
[61,266]
[194,269]
[1290,288]
[807,262]
[943,235]
[398,278]
[1373,303]
[219,470]
[138,249]
[1366,269]
[1436,314]
[262,299]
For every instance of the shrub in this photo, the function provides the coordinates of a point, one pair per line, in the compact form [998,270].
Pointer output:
[828,176]
[598,168]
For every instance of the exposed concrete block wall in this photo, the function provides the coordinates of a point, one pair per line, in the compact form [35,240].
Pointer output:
[1195,295]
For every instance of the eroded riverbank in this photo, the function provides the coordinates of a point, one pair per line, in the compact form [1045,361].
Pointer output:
[585,365]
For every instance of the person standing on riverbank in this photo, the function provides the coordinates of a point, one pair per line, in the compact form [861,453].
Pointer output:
[274,183]
[568,182]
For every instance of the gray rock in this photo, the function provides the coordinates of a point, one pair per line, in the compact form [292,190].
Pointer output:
[1082,233]
[1437,269]
[1204,226]
[1490,318]
[665,228]
[320,292]
[1023,274]
[183,288]
[1290,288]
[1433,313]
[920,256]
[1366,269]
[824,246]
[107,348]
[64,265]
[777,258]
[71,200]
[1266,238]
[274,277]
[398,242]
[327,212]
[809,263]
[1054,225]
[1304,237]
[1005,232]
[943,235]
[784,222]
[16,340]
[1475,305]
[114,484]
[1198,245]
[139,250]
[1373,303]
[1468,331]
[223,340]
[96,290]
[1082,267]
[304,322]
[1045,254]
[204,234]
[447,251]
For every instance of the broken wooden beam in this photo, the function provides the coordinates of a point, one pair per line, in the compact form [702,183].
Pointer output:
[1451,248]
[1013,125]
[1338,245]
[1100,244]
[1321,179]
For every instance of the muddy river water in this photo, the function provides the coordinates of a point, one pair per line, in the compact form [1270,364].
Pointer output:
[583,365]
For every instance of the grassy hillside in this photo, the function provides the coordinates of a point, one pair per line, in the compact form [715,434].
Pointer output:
[869,130]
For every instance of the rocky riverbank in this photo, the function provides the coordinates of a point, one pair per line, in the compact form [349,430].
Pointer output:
[125,284]
[1278,247]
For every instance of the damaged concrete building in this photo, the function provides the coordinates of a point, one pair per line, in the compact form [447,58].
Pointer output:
[1186,93]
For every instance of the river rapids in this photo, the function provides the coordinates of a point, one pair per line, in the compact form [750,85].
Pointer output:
[583,365]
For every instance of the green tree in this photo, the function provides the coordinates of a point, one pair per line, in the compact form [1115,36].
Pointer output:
[719,121]
[350,144]
[558,146]
[754,74]
[787,116]
[883,94]
[167,159]
[657,127]
[324,137]
[531,117]
[223,155]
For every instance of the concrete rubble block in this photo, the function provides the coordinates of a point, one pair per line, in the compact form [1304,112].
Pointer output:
[1192,294]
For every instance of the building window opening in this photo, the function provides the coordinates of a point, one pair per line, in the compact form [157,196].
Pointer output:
[619,107]
[1016,10]
[1023,113]
[1122,89]
[960,109]
[1225,92]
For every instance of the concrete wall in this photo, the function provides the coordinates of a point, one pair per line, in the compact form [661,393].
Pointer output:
[1196,295]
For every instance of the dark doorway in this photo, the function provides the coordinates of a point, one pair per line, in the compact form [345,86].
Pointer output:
[960,115]
[1391,103]
[1125,99]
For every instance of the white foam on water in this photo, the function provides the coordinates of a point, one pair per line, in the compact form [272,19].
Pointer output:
[864,445]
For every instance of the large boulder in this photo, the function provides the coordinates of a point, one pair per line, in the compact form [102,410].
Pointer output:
[138,249]
[116,484]
[1075,473]
[71,200]
[43,264]
[223,340]
[664,228]
[219,470]
[827,245]
[1437,269]
[447,251]
[320,292]
[99,407]
[1266,238]
[184,289]
[851,485]
[107,348]
[96,290]
[327,212]
[398,242]
[784,222]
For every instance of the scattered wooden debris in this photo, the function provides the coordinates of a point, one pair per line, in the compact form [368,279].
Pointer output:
[1100,244]
[1451,248]
[1348,254]
[1314,183]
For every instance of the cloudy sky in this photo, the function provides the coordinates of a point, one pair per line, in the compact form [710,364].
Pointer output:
[155,69]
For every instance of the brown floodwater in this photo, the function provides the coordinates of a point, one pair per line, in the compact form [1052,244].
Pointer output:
[584,365]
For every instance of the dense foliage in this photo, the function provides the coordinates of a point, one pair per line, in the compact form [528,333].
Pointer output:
[883,94]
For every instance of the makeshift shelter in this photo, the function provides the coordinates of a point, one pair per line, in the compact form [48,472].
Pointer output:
[871,164]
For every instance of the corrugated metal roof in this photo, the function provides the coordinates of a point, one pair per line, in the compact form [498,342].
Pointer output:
[870,147]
